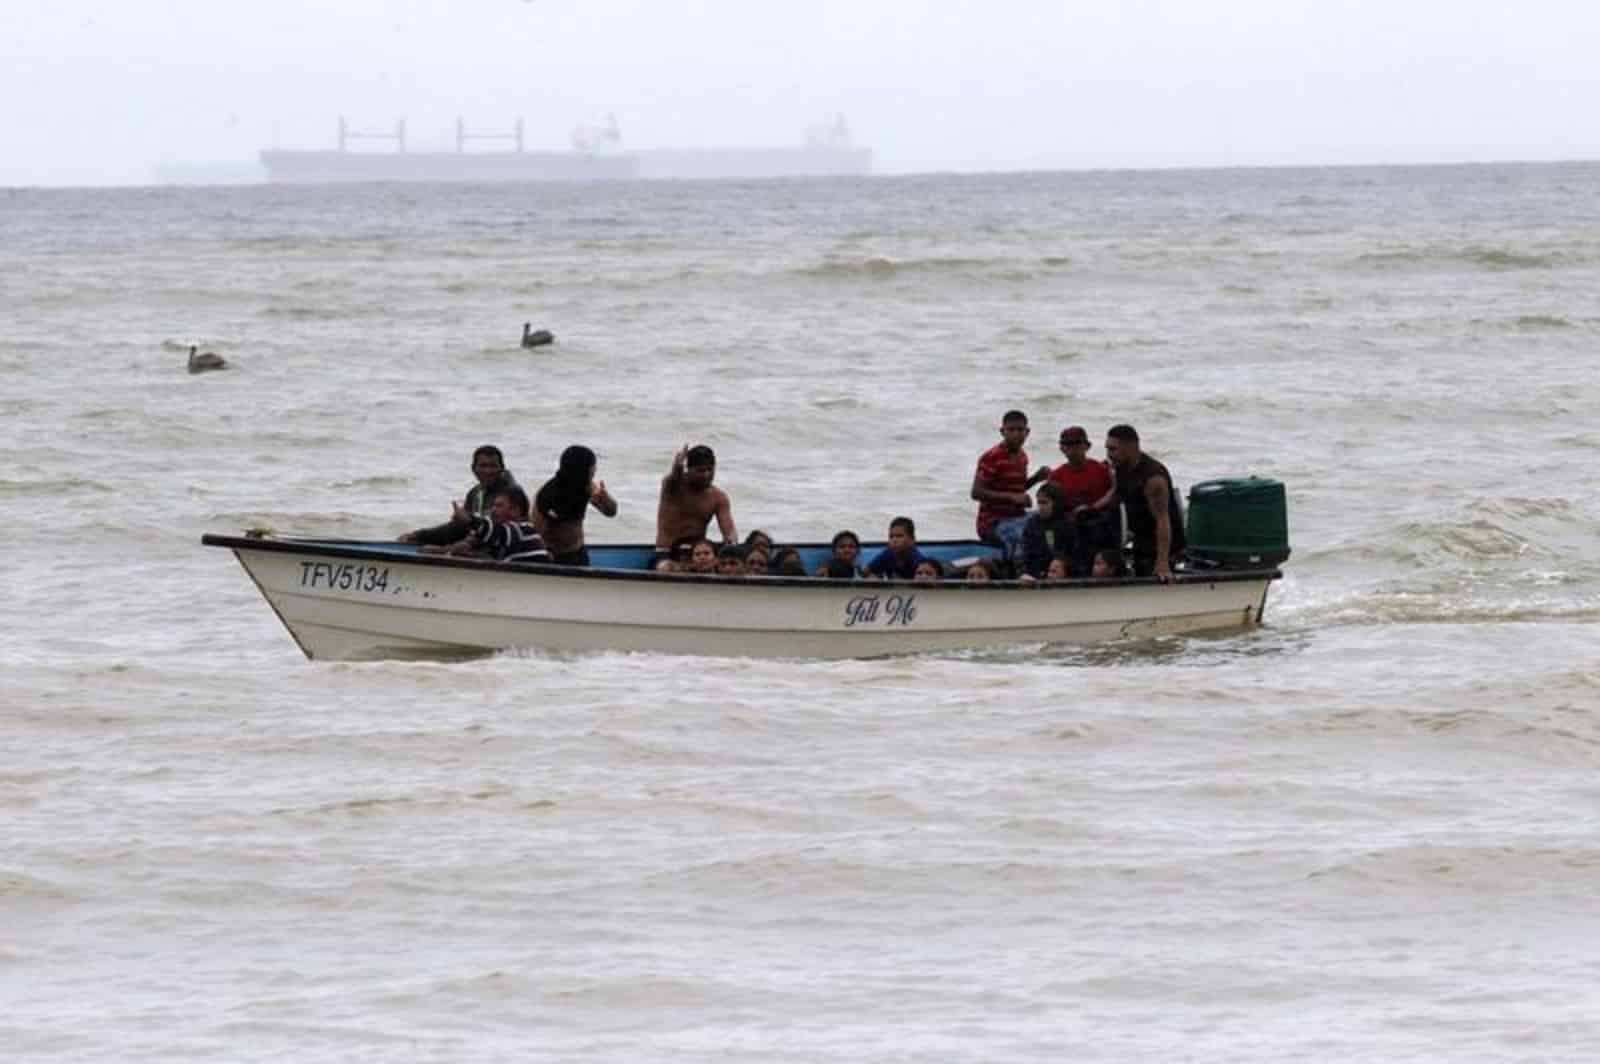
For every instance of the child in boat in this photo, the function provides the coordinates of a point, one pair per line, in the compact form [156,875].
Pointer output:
[757,538]
[980,571]
[1048,531]
[1107,564]
[504,534]
[928,571]
[755,561]
[702,557]
[1058,569]
[897,561]
[730,560]
[847,550]
[838,569]
[787,562]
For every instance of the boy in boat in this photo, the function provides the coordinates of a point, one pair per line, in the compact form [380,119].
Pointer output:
[1091,497]
[504,534]
[980,571]
[846,552]
[489,466]
[929,571]
[730,560]
[898,561]
[689,500]
[1000,485]
[1107,564]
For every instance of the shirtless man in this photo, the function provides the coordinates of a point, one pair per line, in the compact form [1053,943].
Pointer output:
[689,501]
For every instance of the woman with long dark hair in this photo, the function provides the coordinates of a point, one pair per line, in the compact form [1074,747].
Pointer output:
[560,505]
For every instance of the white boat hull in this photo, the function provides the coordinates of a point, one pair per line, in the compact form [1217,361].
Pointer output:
[358,603]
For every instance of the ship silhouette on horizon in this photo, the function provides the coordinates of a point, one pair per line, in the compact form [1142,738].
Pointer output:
[597,154]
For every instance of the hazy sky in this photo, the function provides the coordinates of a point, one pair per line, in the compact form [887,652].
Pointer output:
[101,91]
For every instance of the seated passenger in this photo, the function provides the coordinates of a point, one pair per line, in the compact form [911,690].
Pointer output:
[928,571]
[1107,564]
[897,561]
[758,538]
[730,560]
[702,557]
[1000,485]
[755,561]
[1091,497]
[489,466]
[1060,568]
[787,562]
[1049,531]
[980,571]
[846,549]
[839,569]
[503,535]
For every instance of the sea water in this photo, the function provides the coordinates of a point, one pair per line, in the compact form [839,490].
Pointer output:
[1364,831]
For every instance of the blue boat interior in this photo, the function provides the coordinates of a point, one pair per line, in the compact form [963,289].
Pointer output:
[953,553]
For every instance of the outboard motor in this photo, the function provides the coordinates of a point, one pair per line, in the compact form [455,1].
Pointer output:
[1238,524]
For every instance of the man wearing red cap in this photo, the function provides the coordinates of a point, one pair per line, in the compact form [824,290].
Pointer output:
[1090,488]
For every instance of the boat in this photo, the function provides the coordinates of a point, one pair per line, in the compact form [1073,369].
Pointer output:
[344,600]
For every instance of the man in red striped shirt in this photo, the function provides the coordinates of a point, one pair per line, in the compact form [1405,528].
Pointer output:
[1000,485]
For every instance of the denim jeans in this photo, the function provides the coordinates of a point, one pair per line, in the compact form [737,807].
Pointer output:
[1007,534]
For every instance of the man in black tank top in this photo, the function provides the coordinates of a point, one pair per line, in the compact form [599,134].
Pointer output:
[1155,516]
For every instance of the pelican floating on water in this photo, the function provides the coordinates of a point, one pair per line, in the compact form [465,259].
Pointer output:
[532,337]
[199,363]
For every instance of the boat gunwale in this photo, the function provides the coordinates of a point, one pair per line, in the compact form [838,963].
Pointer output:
[368,549]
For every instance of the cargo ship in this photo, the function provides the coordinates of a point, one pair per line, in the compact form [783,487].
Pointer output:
[596,155]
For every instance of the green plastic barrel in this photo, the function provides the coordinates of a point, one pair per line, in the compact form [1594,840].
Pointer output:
[1238,523]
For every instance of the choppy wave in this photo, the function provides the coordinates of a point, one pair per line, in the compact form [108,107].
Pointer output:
[1490,258]
[882,268]
[1542,321]
[52,488]
[1481,868]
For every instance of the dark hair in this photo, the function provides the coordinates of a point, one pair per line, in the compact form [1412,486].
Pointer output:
[1013,415]
[489,450]
[839,569]
[684,545]
[754,533]
[1123,432]
[906,523]
[1112,557]
[1062,558]
[985,564]
[845,534]
[565,496]
[1056,494]
[787,561]
[700,455]
[730,550]
[935,562]
[518,497]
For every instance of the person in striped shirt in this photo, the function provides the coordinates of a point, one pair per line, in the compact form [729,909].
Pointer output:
[504,534]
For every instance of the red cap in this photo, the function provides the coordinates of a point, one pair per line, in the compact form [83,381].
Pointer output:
[1074,434]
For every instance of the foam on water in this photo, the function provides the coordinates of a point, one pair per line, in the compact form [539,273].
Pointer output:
[1358,832]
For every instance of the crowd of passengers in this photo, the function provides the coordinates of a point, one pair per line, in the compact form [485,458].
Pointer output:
[1072,527]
